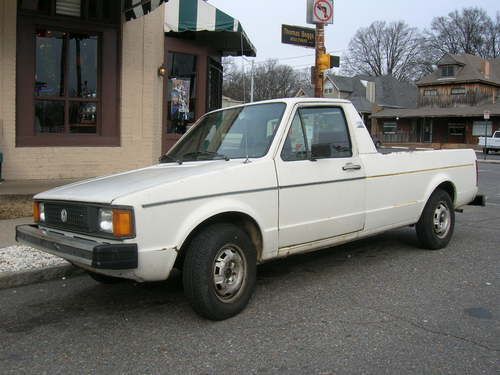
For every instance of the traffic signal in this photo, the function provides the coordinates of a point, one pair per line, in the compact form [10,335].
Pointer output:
[328,61]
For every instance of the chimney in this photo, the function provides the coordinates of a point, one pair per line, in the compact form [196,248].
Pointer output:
[486,69]
[370,91]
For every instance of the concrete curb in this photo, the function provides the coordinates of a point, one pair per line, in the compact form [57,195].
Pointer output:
[15,279]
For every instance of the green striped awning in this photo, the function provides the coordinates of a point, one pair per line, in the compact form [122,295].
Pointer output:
[205,23]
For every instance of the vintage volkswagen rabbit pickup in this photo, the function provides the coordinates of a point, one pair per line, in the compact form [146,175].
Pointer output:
[245,185]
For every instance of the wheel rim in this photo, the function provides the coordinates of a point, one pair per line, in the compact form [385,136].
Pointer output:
[442,220]
[229,272]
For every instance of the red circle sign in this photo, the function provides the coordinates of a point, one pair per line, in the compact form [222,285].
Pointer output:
[323,10]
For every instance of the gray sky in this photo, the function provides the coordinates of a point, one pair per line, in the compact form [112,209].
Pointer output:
[262,20]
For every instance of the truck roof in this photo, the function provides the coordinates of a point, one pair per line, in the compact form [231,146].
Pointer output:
[295,101]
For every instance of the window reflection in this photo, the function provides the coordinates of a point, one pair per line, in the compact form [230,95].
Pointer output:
[82,66]
[83,117]
[49,78]
[49,116]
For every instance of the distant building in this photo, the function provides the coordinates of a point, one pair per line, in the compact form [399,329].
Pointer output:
[371,94]
[452,101]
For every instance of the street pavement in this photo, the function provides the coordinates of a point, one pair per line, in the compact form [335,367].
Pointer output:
[380,305]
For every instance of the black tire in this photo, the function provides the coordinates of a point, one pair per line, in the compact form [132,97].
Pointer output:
[105,279]
[436,224]
[204,263]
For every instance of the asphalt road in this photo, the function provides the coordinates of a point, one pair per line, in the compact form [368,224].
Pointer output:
[381,305]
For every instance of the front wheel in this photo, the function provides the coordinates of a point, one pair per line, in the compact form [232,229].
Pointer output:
[436,224]
[219,271]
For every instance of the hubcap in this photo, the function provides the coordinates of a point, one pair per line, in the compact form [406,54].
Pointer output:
[229,272]
[441,220]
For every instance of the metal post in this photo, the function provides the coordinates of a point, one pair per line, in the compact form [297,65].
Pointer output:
[320,49]
[251,84]
[485,139]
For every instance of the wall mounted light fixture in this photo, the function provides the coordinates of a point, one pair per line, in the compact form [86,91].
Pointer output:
[162,71]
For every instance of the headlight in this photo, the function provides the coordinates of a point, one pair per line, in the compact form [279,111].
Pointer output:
[106,220]
[119,222]
[38,212]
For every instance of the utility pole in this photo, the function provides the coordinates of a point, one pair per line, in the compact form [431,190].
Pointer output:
[320,51]
[251,84]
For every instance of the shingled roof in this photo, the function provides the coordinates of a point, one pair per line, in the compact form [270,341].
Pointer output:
[470,68]
[389,92]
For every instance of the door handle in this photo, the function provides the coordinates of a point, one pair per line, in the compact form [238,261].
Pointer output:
[351,167]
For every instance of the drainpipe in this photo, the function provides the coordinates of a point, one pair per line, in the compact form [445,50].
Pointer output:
[1,161]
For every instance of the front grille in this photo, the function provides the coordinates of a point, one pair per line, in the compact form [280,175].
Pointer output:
[77,217]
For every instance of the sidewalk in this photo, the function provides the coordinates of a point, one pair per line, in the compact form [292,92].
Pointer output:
[21,265]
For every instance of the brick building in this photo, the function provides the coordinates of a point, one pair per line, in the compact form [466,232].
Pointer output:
[91,87]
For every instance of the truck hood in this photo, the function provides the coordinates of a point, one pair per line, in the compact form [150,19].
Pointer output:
[108,188]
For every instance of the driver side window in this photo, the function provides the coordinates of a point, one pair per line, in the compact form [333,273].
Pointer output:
[319,133]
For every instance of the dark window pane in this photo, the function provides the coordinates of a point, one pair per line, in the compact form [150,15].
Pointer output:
[82,65]
[49,116]
[83,117]
[42,6]
[93,8]
[49,77]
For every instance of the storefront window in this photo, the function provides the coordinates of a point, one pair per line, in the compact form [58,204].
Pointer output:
[181,91]
[66,72]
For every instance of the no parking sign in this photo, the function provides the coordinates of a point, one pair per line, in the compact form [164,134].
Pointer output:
[320,11]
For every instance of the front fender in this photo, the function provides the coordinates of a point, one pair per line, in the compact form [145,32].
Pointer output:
[214,207]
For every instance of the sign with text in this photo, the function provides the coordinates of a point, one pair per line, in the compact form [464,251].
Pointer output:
[320,11]
[298,36]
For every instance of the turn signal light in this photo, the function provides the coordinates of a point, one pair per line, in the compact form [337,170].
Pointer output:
[36,212]
[123,223]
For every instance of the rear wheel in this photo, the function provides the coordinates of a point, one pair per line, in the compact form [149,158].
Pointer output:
[104,279]
[436,224]
[219,271]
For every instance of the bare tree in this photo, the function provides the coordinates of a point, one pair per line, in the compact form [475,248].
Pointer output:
[271,80]
[468,31]
[386,49]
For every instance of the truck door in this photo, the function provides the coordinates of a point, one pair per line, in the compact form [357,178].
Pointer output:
[320,177]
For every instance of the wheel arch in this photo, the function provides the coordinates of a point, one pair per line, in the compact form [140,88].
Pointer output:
[443,183]
[241,219]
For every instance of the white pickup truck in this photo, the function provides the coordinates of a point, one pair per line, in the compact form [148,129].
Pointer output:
[246,185]
[490,143]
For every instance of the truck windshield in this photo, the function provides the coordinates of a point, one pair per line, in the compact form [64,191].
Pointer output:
[229,134]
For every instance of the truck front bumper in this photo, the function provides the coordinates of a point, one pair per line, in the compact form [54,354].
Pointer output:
[110,256]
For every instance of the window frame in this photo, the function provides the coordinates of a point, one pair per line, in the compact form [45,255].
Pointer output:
[447,71]
[304,132]
[108,121]
[461,91]
[430,93]
[67,99]
[454,126]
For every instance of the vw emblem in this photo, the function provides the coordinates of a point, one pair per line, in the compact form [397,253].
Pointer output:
[64,215]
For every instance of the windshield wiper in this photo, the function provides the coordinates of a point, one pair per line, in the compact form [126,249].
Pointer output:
[164,158]
[206,153]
